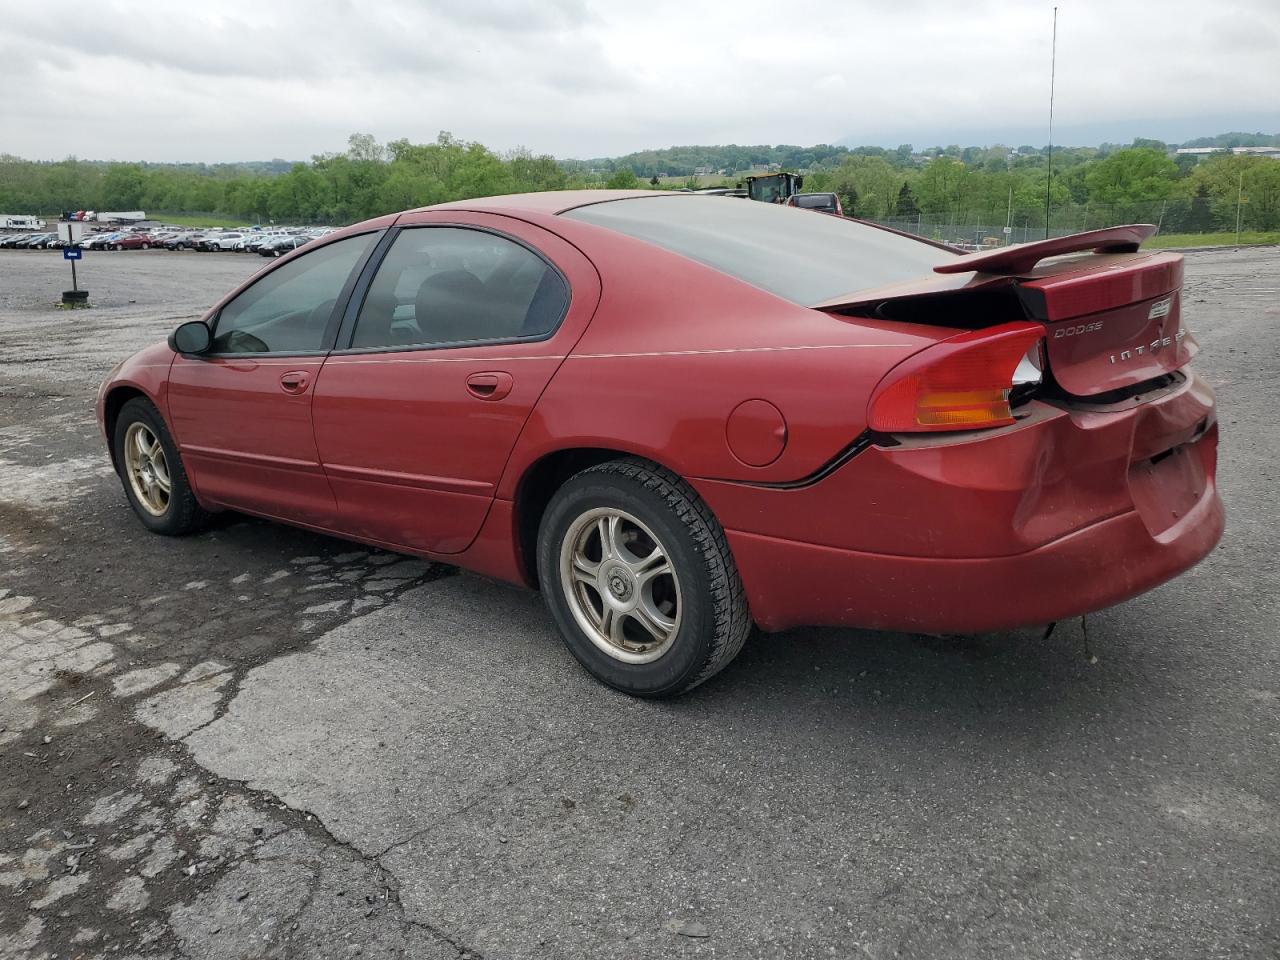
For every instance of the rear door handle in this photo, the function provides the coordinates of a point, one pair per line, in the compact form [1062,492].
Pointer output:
[490,385]
[295,381]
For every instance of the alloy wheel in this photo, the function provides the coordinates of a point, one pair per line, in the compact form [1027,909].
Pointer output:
[147,468]
[620,585]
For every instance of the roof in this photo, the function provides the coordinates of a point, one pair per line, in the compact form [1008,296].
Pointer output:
[551,201]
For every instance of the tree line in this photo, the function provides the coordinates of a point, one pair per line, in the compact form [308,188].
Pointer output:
[1133,184]
[1090,186]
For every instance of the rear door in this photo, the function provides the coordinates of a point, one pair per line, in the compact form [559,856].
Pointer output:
[242,412]
[443,354]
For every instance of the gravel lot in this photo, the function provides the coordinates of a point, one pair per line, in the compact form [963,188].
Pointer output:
[259,742]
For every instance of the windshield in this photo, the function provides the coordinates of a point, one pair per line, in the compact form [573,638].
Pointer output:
[789,252]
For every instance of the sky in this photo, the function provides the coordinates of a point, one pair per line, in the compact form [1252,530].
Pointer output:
[232,80]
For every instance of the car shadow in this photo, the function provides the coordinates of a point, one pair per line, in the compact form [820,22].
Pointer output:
[1004,686]
[1012,684]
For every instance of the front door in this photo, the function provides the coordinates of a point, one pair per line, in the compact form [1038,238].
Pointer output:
[241,414]
[465,322]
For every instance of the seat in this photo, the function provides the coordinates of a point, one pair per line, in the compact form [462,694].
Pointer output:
[451,306]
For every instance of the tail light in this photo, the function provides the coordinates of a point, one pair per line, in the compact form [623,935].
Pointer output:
[962,383]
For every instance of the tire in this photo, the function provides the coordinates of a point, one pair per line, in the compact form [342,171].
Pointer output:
[178,513]
[146,246]
[700,597]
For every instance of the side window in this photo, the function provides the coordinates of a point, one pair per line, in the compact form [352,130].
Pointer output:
[440,285]
[288,310]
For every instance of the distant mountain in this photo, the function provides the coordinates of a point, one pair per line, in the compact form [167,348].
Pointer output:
[1183,132]
[735,159]
[1236,139]
[245,166]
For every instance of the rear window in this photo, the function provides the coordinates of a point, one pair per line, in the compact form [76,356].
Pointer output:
[787,251]
[816,201]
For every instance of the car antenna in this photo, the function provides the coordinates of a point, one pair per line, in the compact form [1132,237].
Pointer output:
[1053,69]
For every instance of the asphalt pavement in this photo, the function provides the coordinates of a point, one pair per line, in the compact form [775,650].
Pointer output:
[258,742]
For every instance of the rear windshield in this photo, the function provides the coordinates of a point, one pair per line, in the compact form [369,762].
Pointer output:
[816,201]
[789,252]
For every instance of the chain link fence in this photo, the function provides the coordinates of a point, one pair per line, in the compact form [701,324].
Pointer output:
[978,229]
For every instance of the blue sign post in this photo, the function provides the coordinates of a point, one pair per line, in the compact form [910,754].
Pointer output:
[71,252]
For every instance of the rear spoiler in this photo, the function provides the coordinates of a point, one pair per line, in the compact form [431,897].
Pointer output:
[994,268]
[1022,257]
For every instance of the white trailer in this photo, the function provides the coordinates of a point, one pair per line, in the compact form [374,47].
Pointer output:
[131,216]
[17,222]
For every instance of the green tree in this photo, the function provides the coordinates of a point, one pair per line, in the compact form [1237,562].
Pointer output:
[1129,180]
[871,181]
[123,186]
[624,179]
[906,205]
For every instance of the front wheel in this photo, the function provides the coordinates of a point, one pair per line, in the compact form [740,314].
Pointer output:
[152,473]
[639,578]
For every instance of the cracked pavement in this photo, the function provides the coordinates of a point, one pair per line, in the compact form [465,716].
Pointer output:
[258,742]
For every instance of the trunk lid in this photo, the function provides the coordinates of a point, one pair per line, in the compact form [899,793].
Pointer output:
[1113,324]
[1112,315]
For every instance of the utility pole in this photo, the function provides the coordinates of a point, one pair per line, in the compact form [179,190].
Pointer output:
[1053,70]
[1008,220]
[1239,200]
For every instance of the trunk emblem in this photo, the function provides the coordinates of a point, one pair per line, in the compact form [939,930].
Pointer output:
[1159,343]
[1076,331]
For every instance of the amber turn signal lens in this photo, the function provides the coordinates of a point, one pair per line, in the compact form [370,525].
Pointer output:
[962,383]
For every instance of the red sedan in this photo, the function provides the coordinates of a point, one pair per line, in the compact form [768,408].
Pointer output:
[132,241]
[680,415]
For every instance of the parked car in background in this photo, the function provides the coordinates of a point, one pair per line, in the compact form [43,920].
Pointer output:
[219,242]
[256,242]
[99,241]
[822,202]
[132,241]
[842,425]
[282,245]
[183,241]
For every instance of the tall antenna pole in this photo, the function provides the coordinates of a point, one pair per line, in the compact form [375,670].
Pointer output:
[1053,70]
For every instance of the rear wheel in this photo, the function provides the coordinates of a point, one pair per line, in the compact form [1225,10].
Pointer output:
[639,578]
[152,472]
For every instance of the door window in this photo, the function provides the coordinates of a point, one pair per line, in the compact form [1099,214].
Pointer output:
[446,285]
[289,309]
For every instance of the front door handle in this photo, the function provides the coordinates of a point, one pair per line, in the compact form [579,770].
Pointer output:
[295,381]
[491,385]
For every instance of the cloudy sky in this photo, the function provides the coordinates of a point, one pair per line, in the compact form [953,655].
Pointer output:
[233,80]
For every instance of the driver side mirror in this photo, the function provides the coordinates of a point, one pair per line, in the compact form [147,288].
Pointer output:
[191,337]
